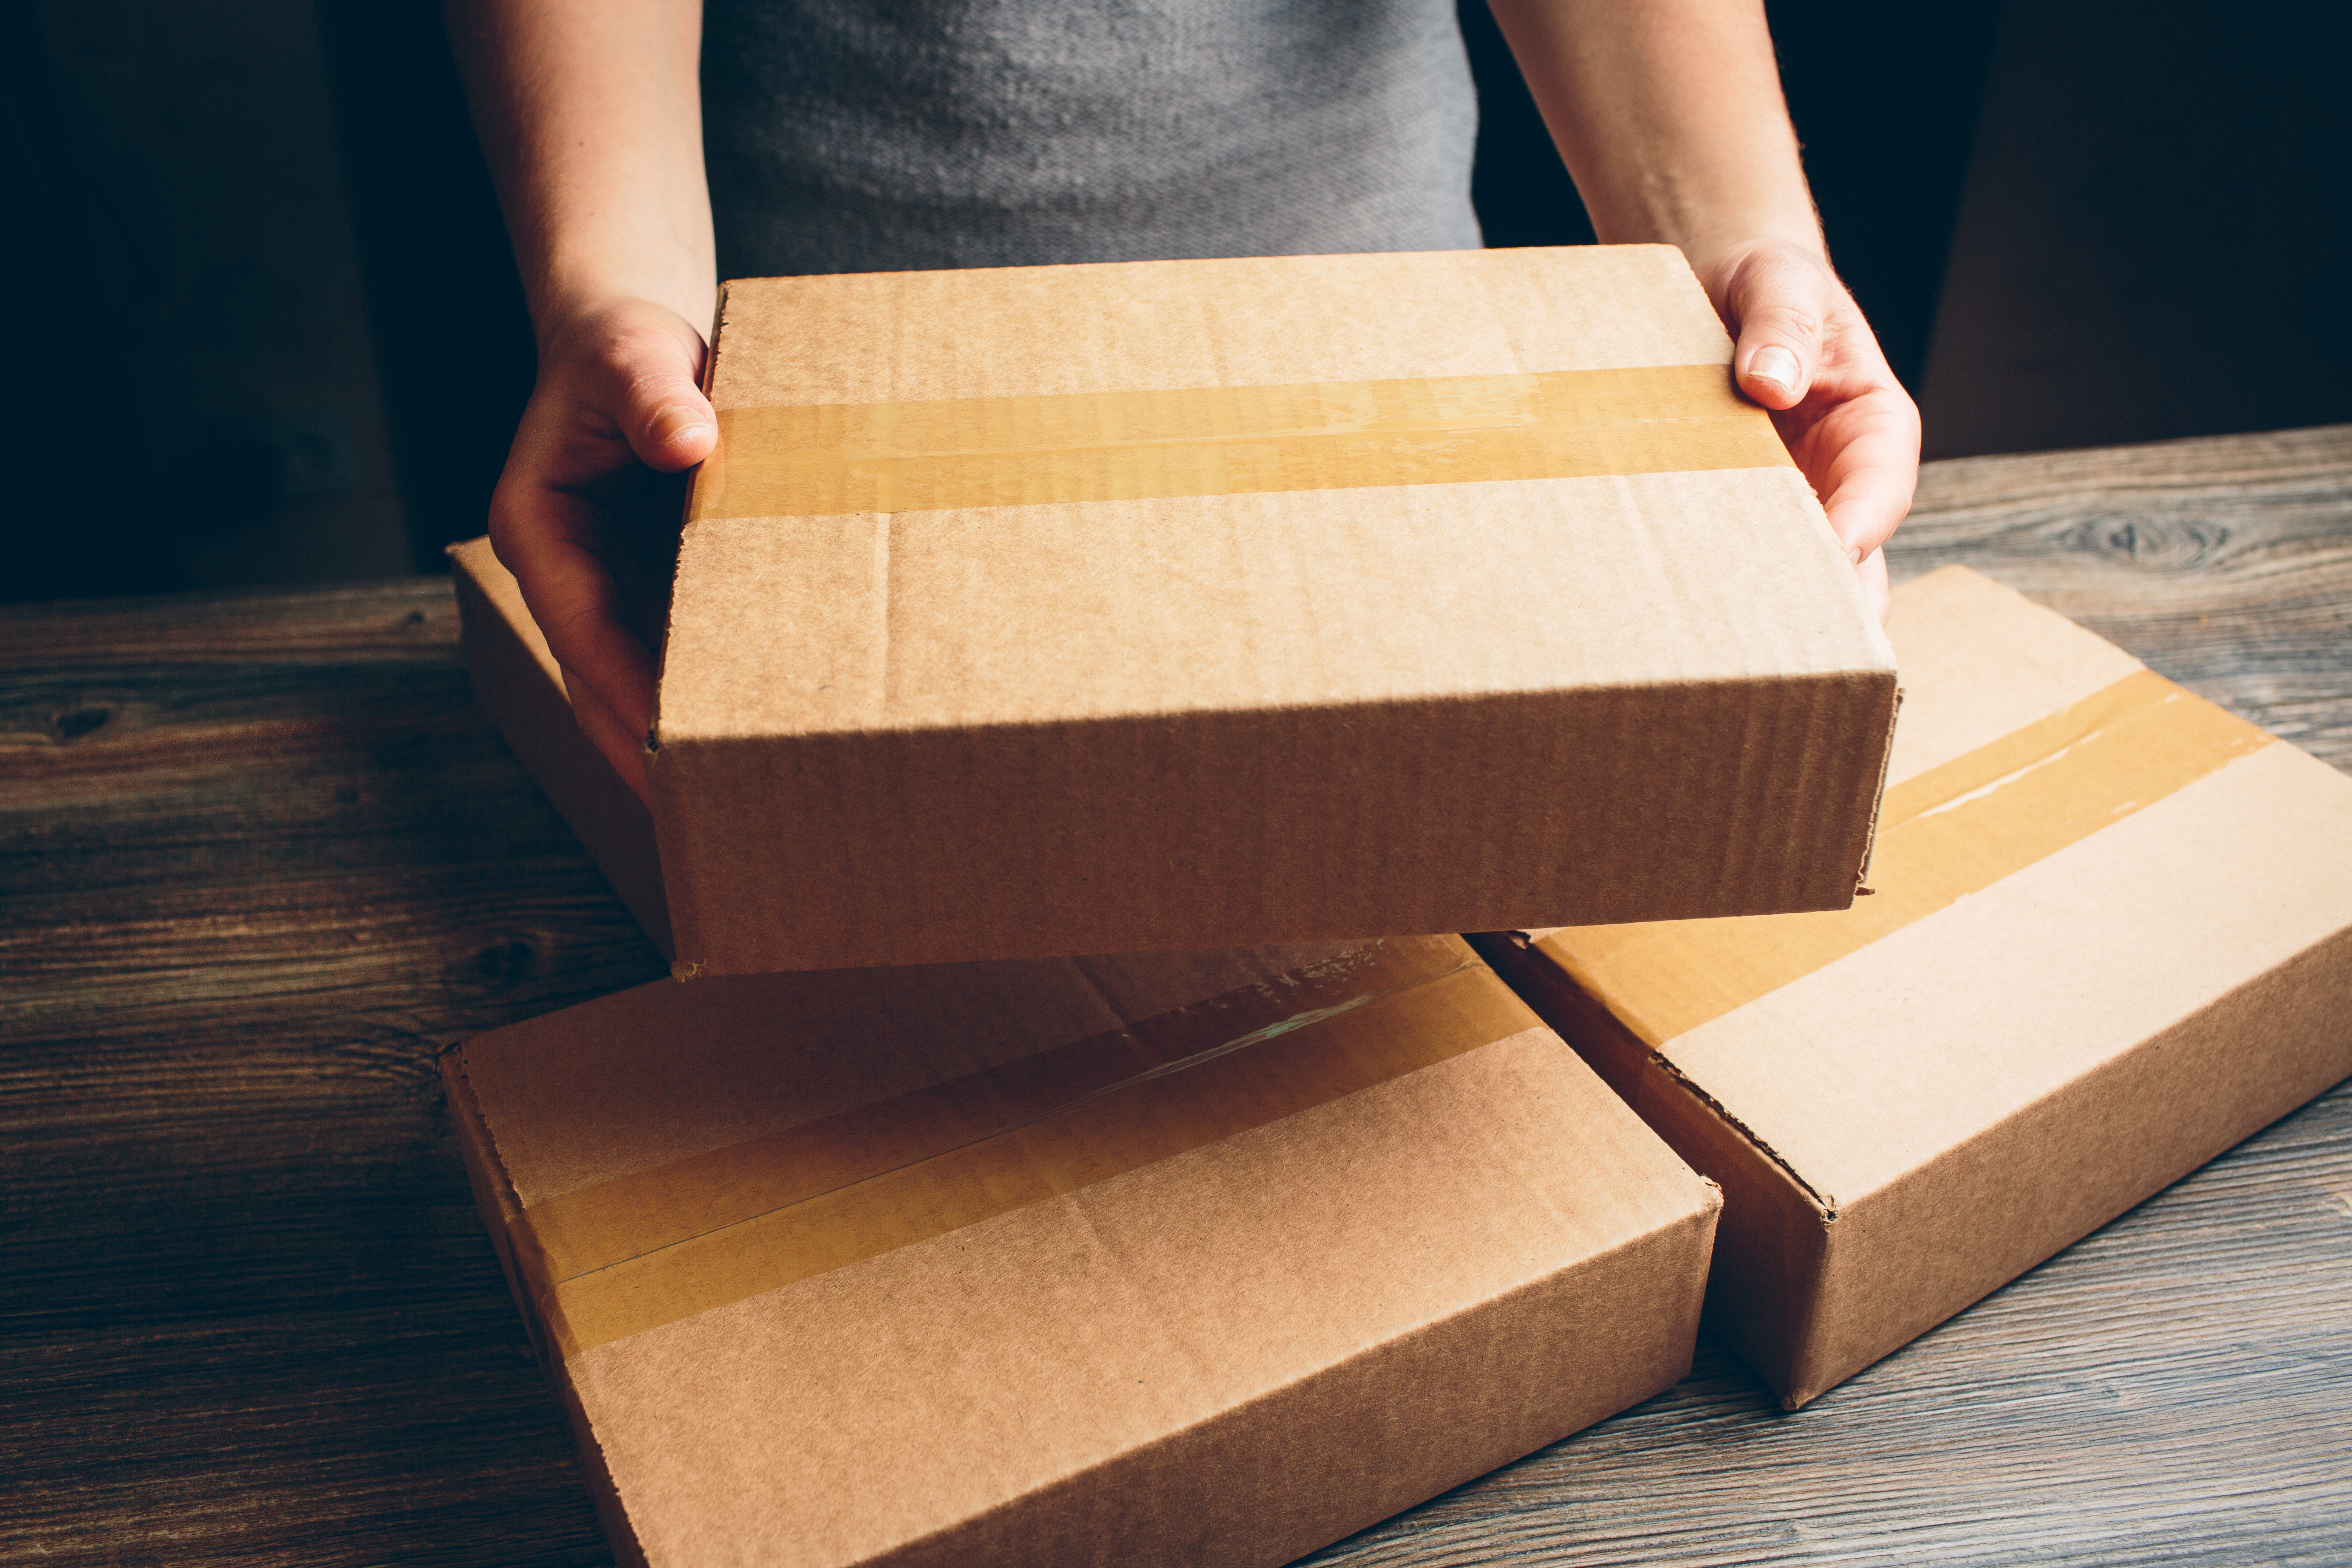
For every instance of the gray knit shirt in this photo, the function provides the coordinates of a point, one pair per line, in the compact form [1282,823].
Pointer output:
[866,135]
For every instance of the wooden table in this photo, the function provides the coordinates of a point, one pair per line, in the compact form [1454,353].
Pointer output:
[260,857]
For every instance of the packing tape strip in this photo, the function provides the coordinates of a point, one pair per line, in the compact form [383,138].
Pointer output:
[643,1250]
[1952,831]
[821,459]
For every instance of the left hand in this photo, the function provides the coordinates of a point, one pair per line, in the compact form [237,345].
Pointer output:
[1804,351]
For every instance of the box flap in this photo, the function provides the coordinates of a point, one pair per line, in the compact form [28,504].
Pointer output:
[1011,331]
[661,1072]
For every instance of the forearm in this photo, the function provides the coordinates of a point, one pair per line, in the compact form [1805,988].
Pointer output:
[590,114]
[1670,117]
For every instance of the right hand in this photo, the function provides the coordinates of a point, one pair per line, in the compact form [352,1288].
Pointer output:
[586,500]
[1806,353]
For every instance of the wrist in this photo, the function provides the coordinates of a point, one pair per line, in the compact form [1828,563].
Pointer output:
[1718,253]
[582,322]
[568,292]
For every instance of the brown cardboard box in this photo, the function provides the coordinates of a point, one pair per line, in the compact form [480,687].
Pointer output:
[1195,1259]
[2111,936]
[1174,605]
[518,684]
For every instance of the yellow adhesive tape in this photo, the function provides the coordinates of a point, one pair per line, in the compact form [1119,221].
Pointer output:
[665,1244]
[821,459]
[1953,830]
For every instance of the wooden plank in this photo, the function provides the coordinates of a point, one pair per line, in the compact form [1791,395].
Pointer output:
[2225,562]
[261,857]
[357,1435]
[406,621]
[260,860]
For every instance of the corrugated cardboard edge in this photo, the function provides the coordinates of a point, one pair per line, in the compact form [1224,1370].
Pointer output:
[1607,1332]
[1809,1292]
[512,684]
[1862,888]
[1885,740]
[494,1198]
[1763,1291]
[681,927]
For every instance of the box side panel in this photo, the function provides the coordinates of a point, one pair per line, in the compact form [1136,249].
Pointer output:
[1208,830]
[1337,1452]
[1764,1289]
[1912,1254]
[518,684]
[494,1197]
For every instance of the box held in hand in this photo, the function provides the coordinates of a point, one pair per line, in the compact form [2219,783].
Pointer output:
[1178,605]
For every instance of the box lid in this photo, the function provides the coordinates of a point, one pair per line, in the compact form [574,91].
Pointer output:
[1168,604]
[1227,1253]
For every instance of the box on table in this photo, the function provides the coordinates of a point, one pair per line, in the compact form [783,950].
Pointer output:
[1206,1257]
[1175,605]
[2111,936]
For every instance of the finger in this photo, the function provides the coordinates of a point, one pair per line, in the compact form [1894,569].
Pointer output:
[1780,303]
[652,390]
[620,744]
[1872,571]
[552,542]
[1867,455]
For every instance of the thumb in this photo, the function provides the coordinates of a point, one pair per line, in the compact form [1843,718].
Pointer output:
[656,399]
[1779,349]
[1778,307]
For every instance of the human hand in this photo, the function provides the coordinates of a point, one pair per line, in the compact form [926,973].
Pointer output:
[585,514]
[1805,353]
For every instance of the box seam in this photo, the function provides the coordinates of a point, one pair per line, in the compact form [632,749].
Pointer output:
[1862,888]
[1399,700]
[1826,1204]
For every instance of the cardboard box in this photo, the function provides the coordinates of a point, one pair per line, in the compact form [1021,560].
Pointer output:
[1201,1258]
[520,687]
[2111,936]
[1175,605]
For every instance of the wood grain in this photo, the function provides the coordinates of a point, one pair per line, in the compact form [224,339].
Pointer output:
[260,857]
[2225,562]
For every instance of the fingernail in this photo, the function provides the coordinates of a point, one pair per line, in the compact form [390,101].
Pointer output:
[1853,554]
[679,424]
[1775,364]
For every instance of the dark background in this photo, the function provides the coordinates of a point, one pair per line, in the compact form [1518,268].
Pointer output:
[267,330]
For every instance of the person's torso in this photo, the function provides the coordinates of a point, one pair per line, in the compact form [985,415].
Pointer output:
[864,135]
